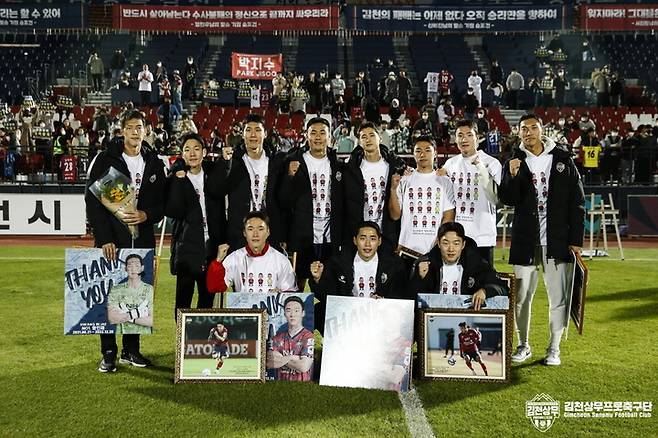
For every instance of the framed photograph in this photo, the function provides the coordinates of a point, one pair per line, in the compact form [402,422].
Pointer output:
[105,297]
[220,345]
[367,343]
[290,340]
[578,293]
[465,345]
[449,301]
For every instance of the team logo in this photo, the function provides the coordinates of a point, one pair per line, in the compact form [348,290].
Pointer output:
[560,167]
[341,279]
[542,411]
[152,178]
[471,282]
[384,277]
[339,176]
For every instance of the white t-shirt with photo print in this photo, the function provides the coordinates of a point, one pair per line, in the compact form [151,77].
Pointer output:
[258,171]
[375,177]
[451,279]
[319,173]
[423,198]
[365,274]
[198,183]
[270,272]
[136,167]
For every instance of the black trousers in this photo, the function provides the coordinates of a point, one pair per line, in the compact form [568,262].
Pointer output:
[109,344]
[185,291]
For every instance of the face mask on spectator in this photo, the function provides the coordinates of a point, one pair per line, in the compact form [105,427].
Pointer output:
[560,122]
[480,115]
[583,119]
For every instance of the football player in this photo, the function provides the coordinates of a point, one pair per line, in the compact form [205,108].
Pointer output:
[468,347]
[219,337]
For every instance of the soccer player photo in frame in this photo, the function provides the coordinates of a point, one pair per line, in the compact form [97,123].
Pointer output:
[220,345]
[460,345]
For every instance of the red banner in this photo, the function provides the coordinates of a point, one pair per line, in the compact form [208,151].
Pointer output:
[247,66]
[619,17]
[225,19]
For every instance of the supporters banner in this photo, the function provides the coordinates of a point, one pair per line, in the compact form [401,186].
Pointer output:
[46,214]
[619,17]
[457,19]
[225,19]
[103,296]
[42,16]
[247,66]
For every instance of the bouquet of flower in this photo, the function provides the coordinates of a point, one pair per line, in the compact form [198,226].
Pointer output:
[115,192]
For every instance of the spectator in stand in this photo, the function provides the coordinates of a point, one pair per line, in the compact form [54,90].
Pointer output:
[394,111]
[404,89]
[547,87]
[586,149]
[561,84]
[164,89]
[430,108]
[187,126]
[234,136]
[446,113]
[616,90]
[432,81]
[326,99]
[601,83]
[400,137]
[627,154]
[586,123]
[279,82]
[392,87]
[338,86]
[96,69]
[496,72]
[117,64]
[471,104]
[610,163]
[475,83]
[371,110]
[514,83]
[313,88]
[299,96]
[162,137]
[497,91]
[149,135]
[343,141]
[445,80]
[177,90]
[145,78]
[482,123]
[360,89]
[339,110]
[80,143]
[101,120]
[160,72]
[645,163]
[509,144]
[424,126]
[169,114]
[189,79]
[535,91]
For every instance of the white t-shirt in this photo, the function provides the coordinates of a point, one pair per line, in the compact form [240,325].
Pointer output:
[540,167]
[475,211]
[145,78]
[365,275]
[258,171]
[319,172]
[423,198]
[432,80]
[136,167]
[197,182]
[267,273]
[375,177]
[451,279]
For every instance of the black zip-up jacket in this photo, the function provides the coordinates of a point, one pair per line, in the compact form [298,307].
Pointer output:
[232,179]
[565,209]
[295,198]
[354,201]
[190,253]
[106,227]
[477,274]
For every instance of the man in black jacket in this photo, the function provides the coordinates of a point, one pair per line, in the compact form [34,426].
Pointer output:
[249,179]
[367,179]
[365,272]
[455,266]
[145,170]
[542,183]
[311,194]
[199,222]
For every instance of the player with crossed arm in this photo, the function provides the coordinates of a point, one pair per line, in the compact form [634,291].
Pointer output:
[469,342]
[219,337]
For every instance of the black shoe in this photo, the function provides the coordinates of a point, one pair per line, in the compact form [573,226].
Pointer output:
[107,365]
[135,359]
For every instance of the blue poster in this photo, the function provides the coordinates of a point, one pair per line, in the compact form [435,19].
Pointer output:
[290,339]
[42,16]
[103,297]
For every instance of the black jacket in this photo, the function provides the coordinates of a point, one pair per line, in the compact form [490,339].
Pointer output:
[106,227]
[189,251]
[295,199]
[565,209]
[233,179]
[354,188]
[477,274]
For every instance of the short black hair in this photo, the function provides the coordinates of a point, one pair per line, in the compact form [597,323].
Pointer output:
[254,118]
[318,119]
[256,214]
[451,226]
[135,256]
[191,136]
[529,116]
[295,299]
[367,125]
[468,123]
[463,324]
[368,224]
[133,115]
[425,138]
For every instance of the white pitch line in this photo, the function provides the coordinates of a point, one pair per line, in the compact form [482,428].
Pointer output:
[417,422]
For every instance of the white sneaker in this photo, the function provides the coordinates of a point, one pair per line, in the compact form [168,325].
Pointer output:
[522,354]
[552,357]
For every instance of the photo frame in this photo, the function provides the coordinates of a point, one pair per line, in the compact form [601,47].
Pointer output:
[220,346]
[578,294]
[480,351]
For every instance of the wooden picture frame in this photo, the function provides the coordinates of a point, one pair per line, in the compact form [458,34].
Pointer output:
[241,349]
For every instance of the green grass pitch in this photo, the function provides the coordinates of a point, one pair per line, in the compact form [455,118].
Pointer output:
[50,386]
[236,368]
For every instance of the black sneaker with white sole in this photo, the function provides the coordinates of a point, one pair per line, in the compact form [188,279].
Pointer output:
[107,365]
[135,359]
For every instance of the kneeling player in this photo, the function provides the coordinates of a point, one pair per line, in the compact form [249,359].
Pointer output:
[468,347]
[219,336]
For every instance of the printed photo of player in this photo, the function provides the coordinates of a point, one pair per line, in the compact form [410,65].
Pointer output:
[219,338]
[469,347]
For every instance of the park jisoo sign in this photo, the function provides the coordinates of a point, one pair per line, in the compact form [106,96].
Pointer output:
[246,66]
[225,19]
